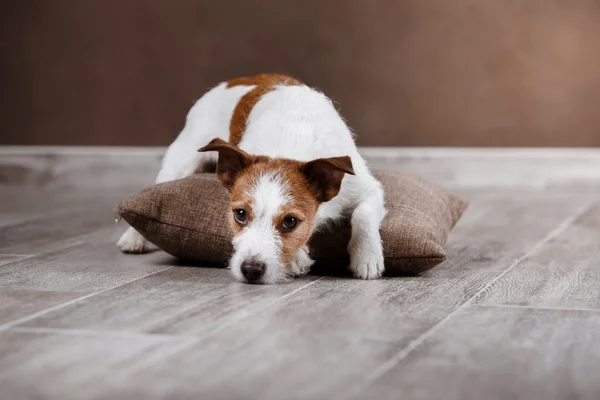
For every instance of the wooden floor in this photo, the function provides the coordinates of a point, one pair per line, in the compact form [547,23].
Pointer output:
[514,313]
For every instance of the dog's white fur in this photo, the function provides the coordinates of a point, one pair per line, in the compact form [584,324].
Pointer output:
[261,237]
[294,122]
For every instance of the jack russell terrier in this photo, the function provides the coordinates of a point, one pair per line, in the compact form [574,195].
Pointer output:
[291,167]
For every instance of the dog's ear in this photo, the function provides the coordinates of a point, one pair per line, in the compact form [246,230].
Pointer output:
[325,175]
[230,162]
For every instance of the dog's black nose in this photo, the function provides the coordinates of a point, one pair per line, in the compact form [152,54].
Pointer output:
[253,269]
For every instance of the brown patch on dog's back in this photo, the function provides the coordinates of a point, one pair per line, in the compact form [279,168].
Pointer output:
[264,80]
[264,83]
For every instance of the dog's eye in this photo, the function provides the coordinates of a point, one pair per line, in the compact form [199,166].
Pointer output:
[240,216]
[289,223]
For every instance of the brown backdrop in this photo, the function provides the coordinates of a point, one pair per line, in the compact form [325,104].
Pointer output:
[411,72]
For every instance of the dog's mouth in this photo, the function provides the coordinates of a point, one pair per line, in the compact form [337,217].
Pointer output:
[254,282]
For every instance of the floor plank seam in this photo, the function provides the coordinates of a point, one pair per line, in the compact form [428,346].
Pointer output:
[62,245]
[545,308]
[29,317]
[235,320]
[18,260]
[71,212]
[13,325]
[402,354]
[97,332]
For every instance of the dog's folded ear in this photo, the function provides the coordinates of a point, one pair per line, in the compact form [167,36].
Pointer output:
[230,162]
[325,175]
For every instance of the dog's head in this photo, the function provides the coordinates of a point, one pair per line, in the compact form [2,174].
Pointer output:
[273,206]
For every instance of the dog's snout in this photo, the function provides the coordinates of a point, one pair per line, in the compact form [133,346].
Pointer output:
[253,269]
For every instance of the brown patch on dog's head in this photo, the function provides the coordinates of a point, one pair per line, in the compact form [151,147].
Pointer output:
[231,160]
[325,175]
[293,220]
[274,203]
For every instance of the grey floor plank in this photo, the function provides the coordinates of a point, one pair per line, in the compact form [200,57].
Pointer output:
[342,326]
[89,169]
[191,332]
[16,304]
[77,366]
[492,236]
[8,218]
[15,198]
[34,220]
[53,232]
[20,204]
[501,353]
[182,300]
[10,258]
[481,171]
[276,357]
[34,199]
[91,263]
[563,273]
[50,366]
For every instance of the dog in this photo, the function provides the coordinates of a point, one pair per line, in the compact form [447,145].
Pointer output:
[291,166]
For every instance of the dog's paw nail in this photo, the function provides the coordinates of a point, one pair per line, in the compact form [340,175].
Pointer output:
[367,269]
[368,273]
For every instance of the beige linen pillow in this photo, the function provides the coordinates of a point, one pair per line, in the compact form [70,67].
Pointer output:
[187,219]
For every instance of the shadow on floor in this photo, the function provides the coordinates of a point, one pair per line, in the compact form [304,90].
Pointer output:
[317,269]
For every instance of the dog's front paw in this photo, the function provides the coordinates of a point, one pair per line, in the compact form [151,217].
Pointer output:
[132,242]
[366,260]
[302,263]
[367,268]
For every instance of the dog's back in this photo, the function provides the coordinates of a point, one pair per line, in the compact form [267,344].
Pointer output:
[279,117]
[272,115]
